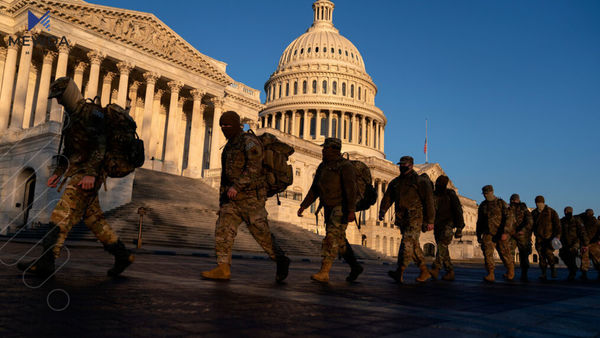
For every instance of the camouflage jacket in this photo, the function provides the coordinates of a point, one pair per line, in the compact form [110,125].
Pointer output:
[494,218]
[413,199]
[546,224]
[334,184]
[522,218]
[84,143]
[573,234]
[448,210]
[592,227]
[242,169]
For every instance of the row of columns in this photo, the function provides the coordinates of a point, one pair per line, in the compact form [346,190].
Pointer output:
[348,126]
[13,100]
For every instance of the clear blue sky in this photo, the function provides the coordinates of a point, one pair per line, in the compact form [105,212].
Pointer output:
[511,88]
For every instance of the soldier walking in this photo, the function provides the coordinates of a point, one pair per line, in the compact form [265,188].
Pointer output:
[546,226]
[414,206]
[80,166]
[335,185]
[592,229]
[448,216]
[521,239]
[573,238]
[494,228]
[243,194]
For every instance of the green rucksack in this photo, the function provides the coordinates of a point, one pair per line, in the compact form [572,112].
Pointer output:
[124,149]
[278,173]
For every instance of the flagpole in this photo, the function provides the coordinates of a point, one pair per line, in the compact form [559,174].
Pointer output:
[426,150]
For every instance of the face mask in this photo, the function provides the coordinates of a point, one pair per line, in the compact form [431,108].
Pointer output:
[404,169]
[568,214]
[490,197]
[440,187]
[231,132]
[540,206]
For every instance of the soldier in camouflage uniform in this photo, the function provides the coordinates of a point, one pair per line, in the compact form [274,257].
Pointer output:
[573,238]
[81,169]
[335,185]
[546,226]
[521,239]
[592,229]
[494,227]
[414,206]
[448,216]
[243,194]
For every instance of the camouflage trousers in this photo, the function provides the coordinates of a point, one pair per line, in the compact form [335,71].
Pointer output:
[503,247]
[410,249]
[76,204]
[569,256]
[443,238]
[593,254]
[252,212]
[546,252]
[523,243]
[334,243]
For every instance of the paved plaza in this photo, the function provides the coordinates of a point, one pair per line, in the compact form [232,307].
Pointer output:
[163,295]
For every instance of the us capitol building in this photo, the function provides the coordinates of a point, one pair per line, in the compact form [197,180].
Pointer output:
[176,94]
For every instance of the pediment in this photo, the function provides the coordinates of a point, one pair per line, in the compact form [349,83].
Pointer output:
[141,30]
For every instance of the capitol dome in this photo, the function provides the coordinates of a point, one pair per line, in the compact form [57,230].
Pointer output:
[321,89]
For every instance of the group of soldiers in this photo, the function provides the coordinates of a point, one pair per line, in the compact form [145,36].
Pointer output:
[420,206]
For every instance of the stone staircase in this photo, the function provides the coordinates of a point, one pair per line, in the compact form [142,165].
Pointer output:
[181,212]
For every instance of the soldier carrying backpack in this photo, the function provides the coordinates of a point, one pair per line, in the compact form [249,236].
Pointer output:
[89,136]
[245,185]
[335,185]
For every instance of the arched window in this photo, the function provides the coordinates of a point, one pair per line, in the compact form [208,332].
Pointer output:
[316,49]
[359,93]
[332,50]
[352,91]
[279,96]
[334,88]
[273,92]
[295,52]
[301,50]
[268,94]
[304,87]
[287,89]
[343,88]
[346,53]
[295,87]
[324,86]
[308,51]
[324,49]
[314,86]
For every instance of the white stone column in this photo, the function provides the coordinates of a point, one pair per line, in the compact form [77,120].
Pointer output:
[96,58]
[329,124]
[156,131]
[196,148]
[182,121]
[18,109]
[8,79]
[56,110]
[106,88]
[215,144]
[78,74]
[34,72]
[318,125]
[340,132]
[293,123]
[124,69]
[306,135]
[41,106]
[132,95]
[2,61]
[172,158]
[382,144]
[363,132]
[145,125]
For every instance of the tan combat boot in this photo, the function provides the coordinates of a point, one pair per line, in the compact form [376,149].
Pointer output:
[323,275]
[221,272]
[510,273]
[397,275]
[490,278]
[449,276]
[434,272]
[425,275]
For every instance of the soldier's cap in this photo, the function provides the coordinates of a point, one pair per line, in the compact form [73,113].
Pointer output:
[487,188]
[515,197]
[332,142]
[540,199]
[230,117]
[568,209]
[406,160]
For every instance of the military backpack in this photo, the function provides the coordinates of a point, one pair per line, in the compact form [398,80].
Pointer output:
[278,173]
[366,195]
[124,149]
